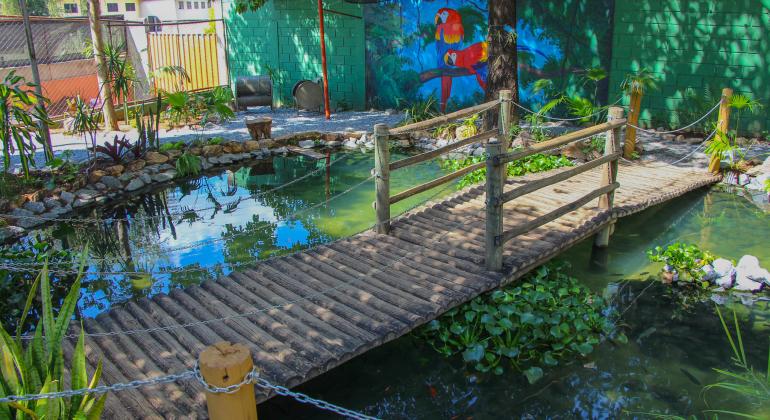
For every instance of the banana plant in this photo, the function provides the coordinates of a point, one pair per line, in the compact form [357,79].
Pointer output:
[37,367]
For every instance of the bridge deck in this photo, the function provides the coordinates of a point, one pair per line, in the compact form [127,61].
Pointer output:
[354,294]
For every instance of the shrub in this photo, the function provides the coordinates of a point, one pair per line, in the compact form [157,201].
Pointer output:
[188,165]
[546,318]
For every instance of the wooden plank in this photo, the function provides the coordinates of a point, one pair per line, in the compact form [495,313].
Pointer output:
[444,119]
[422,157]
[559,177]
[510,234]
[562,140]
[435,183]
[306,152]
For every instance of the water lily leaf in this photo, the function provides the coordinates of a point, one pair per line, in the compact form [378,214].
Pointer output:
[585,348]
[533,374]
[456,328]
[498,370]
[549,360]
[509,352]
[474,353]
[434,325]
[621,338]
[469,315]
[527,318]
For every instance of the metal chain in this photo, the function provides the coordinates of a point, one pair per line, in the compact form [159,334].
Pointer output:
[86,220]
[249,378]
[678,129]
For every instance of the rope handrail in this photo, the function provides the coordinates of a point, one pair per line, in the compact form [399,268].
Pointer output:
[601,110]
[85,220]
[687,155]
[714,108]
[443,119]
[267,308]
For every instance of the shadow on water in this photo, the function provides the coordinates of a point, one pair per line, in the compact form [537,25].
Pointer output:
[675,341]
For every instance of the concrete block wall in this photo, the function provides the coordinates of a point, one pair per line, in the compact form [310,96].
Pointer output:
[692,45]
[282,40]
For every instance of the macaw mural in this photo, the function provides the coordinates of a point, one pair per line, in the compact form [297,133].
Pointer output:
[421,49]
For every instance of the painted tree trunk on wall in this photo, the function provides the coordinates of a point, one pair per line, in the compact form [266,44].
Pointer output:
[503,55]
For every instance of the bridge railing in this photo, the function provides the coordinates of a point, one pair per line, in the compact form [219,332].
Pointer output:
[497,162]
[383,166]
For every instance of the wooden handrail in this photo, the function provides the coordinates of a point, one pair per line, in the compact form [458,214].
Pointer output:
[553,215]
[443,119]
[422,157]
[561,176]
[436,182]
[561,141]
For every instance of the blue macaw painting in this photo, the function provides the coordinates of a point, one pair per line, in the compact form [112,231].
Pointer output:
[420,49]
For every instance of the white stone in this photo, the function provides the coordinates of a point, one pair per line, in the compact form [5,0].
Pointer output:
[709,274]
[306,144]
[333,143]
[479,151]
[86,194]
[350,144]
[363,140]
[748,268]
[9,232]
[725,272]
[67,197]
[80,202]
[164,176]
[36,207]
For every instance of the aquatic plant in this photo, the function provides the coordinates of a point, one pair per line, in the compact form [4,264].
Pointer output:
[686,260]
[22,114]
[545,318]
[38,366]
[188,165]
[530,164]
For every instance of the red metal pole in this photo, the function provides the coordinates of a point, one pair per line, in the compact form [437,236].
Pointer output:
[323,59]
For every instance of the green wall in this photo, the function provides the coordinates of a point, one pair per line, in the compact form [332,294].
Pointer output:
[282,40]
[695,48]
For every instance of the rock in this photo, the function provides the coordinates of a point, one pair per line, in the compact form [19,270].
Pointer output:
[136,165]
[479,151]
[725,272]
[95,176]
[146,179]
[152,169]
[742,141]
[659,129]
[350,144]
[669,137]
[693,140]
[280,151]
[86,194]
[51,203]
[205,164]
[441,143]
[10,232]
[759,182]
[173,154]
[155,158]
[709,273]
[126,177]
[80,202]
[252,146]
[369,145]
[327,137]
[213,160]
[266,143]
[21,214]
[464,131]
[680,137]
[111,182]
[212,150]
[135,184]
[67,197]
[404,143]
[100,186]
[362,140]
[744,179]
[572,151]
[114,170]
[748,268]
[164,176]
[391,111]
[36,207]
[166,167]
[226,159]
[306,144]
[232,147]
[333,143]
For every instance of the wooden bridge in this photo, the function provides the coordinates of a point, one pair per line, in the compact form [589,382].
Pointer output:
[326,305]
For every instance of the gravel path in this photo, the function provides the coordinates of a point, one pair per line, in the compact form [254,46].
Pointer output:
[285,121]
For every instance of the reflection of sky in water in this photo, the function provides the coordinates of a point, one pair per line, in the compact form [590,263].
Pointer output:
[265,222]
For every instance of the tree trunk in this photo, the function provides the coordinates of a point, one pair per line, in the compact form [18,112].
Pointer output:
[503,56]
[105,88]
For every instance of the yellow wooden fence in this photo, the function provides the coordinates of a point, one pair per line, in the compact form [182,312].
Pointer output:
[197,54]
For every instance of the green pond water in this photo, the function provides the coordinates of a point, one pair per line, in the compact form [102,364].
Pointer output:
[674,342]
[206,227]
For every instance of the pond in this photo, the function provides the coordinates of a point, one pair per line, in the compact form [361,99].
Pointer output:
[202,228]
[674,342]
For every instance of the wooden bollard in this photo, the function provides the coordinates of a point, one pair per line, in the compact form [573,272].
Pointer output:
[222,365]
[634,110]
[504,122]
[722,126]
[494,190]
[382,178]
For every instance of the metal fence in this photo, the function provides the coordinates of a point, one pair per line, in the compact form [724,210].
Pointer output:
[67,68]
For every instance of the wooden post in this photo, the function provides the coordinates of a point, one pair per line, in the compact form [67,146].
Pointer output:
[609,174]
[105,87]
[634,109]
[722,126]
[504,122]
[222,365]
[382,178]
[44,130]
[494,202]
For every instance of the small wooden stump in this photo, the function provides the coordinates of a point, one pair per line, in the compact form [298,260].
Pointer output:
[260,128]
[222,365]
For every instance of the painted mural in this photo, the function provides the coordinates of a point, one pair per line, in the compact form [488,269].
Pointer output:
[438,48]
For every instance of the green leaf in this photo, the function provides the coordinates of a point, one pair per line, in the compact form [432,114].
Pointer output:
[533,374]
[549,360]
[456,328]
[474,353]
[78,369]
[585,348]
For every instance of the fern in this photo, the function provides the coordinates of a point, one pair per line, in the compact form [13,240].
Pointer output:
[188,165]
